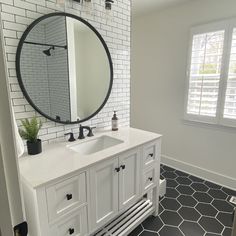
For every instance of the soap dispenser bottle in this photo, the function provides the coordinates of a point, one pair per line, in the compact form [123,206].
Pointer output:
[114,122]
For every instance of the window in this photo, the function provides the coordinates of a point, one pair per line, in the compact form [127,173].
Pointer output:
[211,93]
[230,97]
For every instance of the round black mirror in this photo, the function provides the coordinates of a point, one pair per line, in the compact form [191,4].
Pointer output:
[64,68]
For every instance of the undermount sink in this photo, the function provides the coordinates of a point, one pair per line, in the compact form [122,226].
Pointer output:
[95,145]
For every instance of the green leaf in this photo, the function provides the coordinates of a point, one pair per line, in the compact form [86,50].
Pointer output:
[30,129]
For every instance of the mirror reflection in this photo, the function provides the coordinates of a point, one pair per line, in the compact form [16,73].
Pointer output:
[65,69]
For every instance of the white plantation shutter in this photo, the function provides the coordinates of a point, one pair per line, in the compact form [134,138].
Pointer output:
[211,91]
[205,73]
[230,97]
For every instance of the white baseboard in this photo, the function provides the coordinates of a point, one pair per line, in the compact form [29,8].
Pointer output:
[211,176]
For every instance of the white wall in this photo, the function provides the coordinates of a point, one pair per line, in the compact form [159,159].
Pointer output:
[159,55]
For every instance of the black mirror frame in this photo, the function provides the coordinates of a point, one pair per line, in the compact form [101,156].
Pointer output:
[18,72]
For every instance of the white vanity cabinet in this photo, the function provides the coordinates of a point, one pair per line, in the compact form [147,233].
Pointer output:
[115,185]
[115,192]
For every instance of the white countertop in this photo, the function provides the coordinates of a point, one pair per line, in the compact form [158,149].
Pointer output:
[57,160]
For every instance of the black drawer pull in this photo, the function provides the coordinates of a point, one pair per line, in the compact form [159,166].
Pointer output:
[151,155]
[117,169]
[69,197]
[71,231]
[123,167]
[150,178]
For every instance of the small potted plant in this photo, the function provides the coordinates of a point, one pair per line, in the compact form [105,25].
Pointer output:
[30,132]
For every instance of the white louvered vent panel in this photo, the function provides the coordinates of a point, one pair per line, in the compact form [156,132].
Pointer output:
[230,98]
[204,73]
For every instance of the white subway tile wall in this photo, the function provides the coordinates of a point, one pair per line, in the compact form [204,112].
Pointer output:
[16,15]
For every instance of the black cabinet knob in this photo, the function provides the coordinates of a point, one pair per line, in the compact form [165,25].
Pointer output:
[117,169]
[151,155]
[150,178]
[69,196]
[122,167]
[71,231]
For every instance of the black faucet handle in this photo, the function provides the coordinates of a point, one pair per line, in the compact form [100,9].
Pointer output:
[71,139]
[81,132]
[90,133]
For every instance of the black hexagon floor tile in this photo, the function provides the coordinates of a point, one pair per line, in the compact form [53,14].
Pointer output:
[212,185]
[161,170]
[200,187]
[225,218]
[161,209]
[172,193]
[148,233]
[203,197]
[196,179]
[191,207]
[183,189]
[170,204]
[170,231]
[180,173]
[229,191]
[217,194]
[152,223]
[183,180]
[171,183]
[211,225]
[169,175]
[222,205]
[191,228]
[167,168]
[162,177]
[227,232]
[136,231]
[206,209]
[171,218]
[187,200]
[189,213]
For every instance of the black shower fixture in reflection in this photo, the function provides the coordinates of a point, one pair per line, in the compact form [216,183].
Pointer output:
[108,4]
[51,47]
[47,52]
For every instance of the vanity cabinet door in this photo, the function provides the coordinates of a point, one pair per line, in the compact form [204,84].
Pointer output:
[104,192]
[129,178]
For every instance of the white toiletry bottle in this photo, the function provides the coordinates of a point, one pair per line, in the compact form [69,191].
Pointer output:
[114,122]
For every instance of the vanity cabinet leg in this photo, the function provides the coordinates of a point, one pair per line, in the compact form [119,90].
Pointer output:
[156,201]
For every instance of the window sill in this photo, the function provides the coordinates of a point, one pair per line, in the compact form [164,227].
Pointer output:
[208,125]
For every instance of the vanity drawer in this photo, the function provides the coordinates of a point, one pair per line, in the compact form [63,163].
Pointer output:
[75,225]
[150,153]
[66,195]
[149,179]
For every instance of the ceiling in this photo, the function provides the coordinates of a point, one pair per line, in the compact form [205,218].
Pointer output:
[143,6]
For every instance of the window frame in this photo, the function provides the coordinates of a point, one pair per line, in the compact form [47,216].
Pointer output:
[227,26]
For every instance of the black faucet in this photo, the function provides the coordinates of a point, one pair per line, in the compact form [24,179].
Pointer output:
[71,139]
[81,131]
